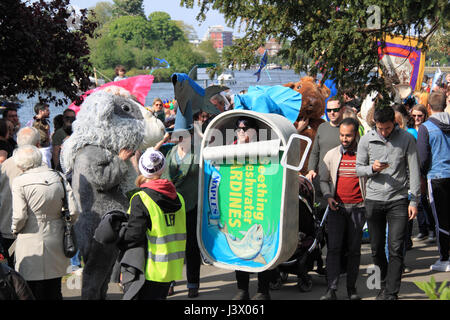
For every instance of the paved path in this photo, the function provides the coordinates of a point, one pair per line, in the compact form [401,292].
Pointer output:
[220,284]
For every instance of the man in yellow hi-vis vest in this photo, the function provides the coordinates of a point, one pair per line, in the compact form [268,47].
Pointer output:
[157,218]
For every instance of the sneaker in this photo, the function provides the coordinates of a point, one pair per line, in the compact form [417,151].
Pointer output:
[421,236]
[406,269]
[241,295]
[431,237]
[261,296]
[443,266]
[329,295]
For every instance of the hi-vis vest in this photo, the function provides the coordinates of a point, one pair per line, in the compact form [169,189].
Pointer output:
[166,241]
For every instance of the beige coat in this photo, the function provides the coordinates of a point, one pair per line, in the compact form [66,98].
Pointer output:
[37,202]
[328,178]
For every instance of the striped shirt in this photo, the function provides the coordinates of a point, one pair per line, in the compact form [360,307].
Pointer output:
[347,188]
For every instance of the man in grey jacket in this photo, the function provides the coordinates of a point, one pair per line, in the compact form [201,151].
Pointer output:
[384,155]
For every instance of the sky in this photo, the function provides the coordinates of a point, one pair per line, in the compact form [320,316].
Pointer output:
[173,8]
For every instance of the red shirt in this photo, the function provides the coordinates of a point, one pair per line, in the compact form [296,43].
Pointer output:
[347,188]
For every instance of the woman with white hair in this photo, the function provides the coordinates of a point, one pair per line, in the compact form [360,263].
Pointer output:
[38,195]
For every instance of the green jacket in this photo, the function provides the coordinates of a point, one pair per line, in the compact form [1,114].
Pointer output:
[183,176]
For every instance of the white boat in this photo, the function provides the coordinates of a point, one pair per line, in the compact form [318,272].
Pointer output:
[273,66]
[226,77]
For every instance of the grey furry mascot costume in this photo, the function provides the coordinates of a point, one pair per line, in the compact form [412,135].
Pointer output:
[108,121]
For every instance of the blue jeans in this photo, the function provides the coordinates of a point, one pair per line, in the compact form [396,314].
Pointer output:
[395,214]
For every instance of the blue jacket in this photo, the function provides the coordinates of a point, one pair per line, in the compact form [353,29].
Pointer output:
[433,144]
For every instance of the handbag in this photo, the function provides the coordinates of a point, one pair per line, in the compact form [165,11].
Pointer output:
[69,242]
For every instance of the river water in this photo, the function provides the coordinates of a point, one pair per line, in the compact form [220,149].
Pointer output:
[164,90]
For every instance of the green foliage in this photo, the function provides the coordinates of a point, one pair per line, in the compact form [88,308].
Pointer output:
[443,293]
[440,46]
[108,52]
[206,49]
[40,50]
[101,13]
[329,37]
[182,57]
[162,75]
[135,42]
[164,31]
[135,30]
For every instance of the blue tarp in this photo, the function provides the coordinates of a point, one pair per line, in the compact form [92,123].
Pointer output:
[270,99]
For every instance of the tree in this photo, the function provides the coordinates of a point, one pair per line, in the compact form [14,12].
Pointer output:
[43,49]
[182,58]
[440,45]
[128,8]
[188,30]
[135,30]
[206,49]
[108,52]
[339,37]
[101,13]
[165,31]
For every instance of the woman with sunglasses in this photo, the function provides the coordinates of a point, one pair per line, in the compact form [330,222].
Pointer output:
[419,115]
[246,130]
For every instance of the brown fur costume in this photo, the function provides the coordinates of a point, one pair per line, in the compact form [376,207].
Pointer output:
[313,108]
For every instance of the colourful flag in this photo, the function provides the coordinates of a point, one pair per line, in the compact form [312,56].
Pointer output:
[403,58]
[262,64]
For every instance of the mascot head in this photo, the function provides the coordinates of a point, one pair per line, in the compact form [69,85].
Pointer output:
[114,120]
[313,97]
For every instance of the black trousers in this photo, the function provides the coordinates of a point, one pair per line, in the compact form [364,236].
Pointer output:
[344,234]
[152,290]
[193,259]
[46,289]
[425,216]
[264,278]
[395,214]
[439,193]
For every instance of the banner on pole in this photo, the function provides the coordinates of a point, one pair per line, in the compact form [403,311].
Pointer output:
[404,59]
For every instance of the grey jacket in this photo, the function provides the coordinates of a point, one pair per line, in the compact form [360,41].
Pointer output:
[399,150]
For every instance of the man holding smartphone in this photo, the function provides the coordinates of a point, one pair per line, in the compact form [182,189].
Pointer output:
[384,155]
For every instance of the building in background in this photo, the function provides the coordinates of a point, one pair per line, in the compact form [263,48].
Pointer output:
[220,37]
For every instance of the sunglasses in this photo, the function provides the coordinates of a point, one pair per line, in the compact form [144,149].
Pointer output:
[242,128]
[417,115]
[334,110]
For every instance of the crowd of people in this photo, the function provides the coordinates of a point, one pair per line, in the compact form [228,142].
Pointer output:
[384,170]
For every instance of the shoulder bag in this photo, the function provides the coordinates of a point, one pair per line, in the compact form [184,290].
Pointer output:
[69,242]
